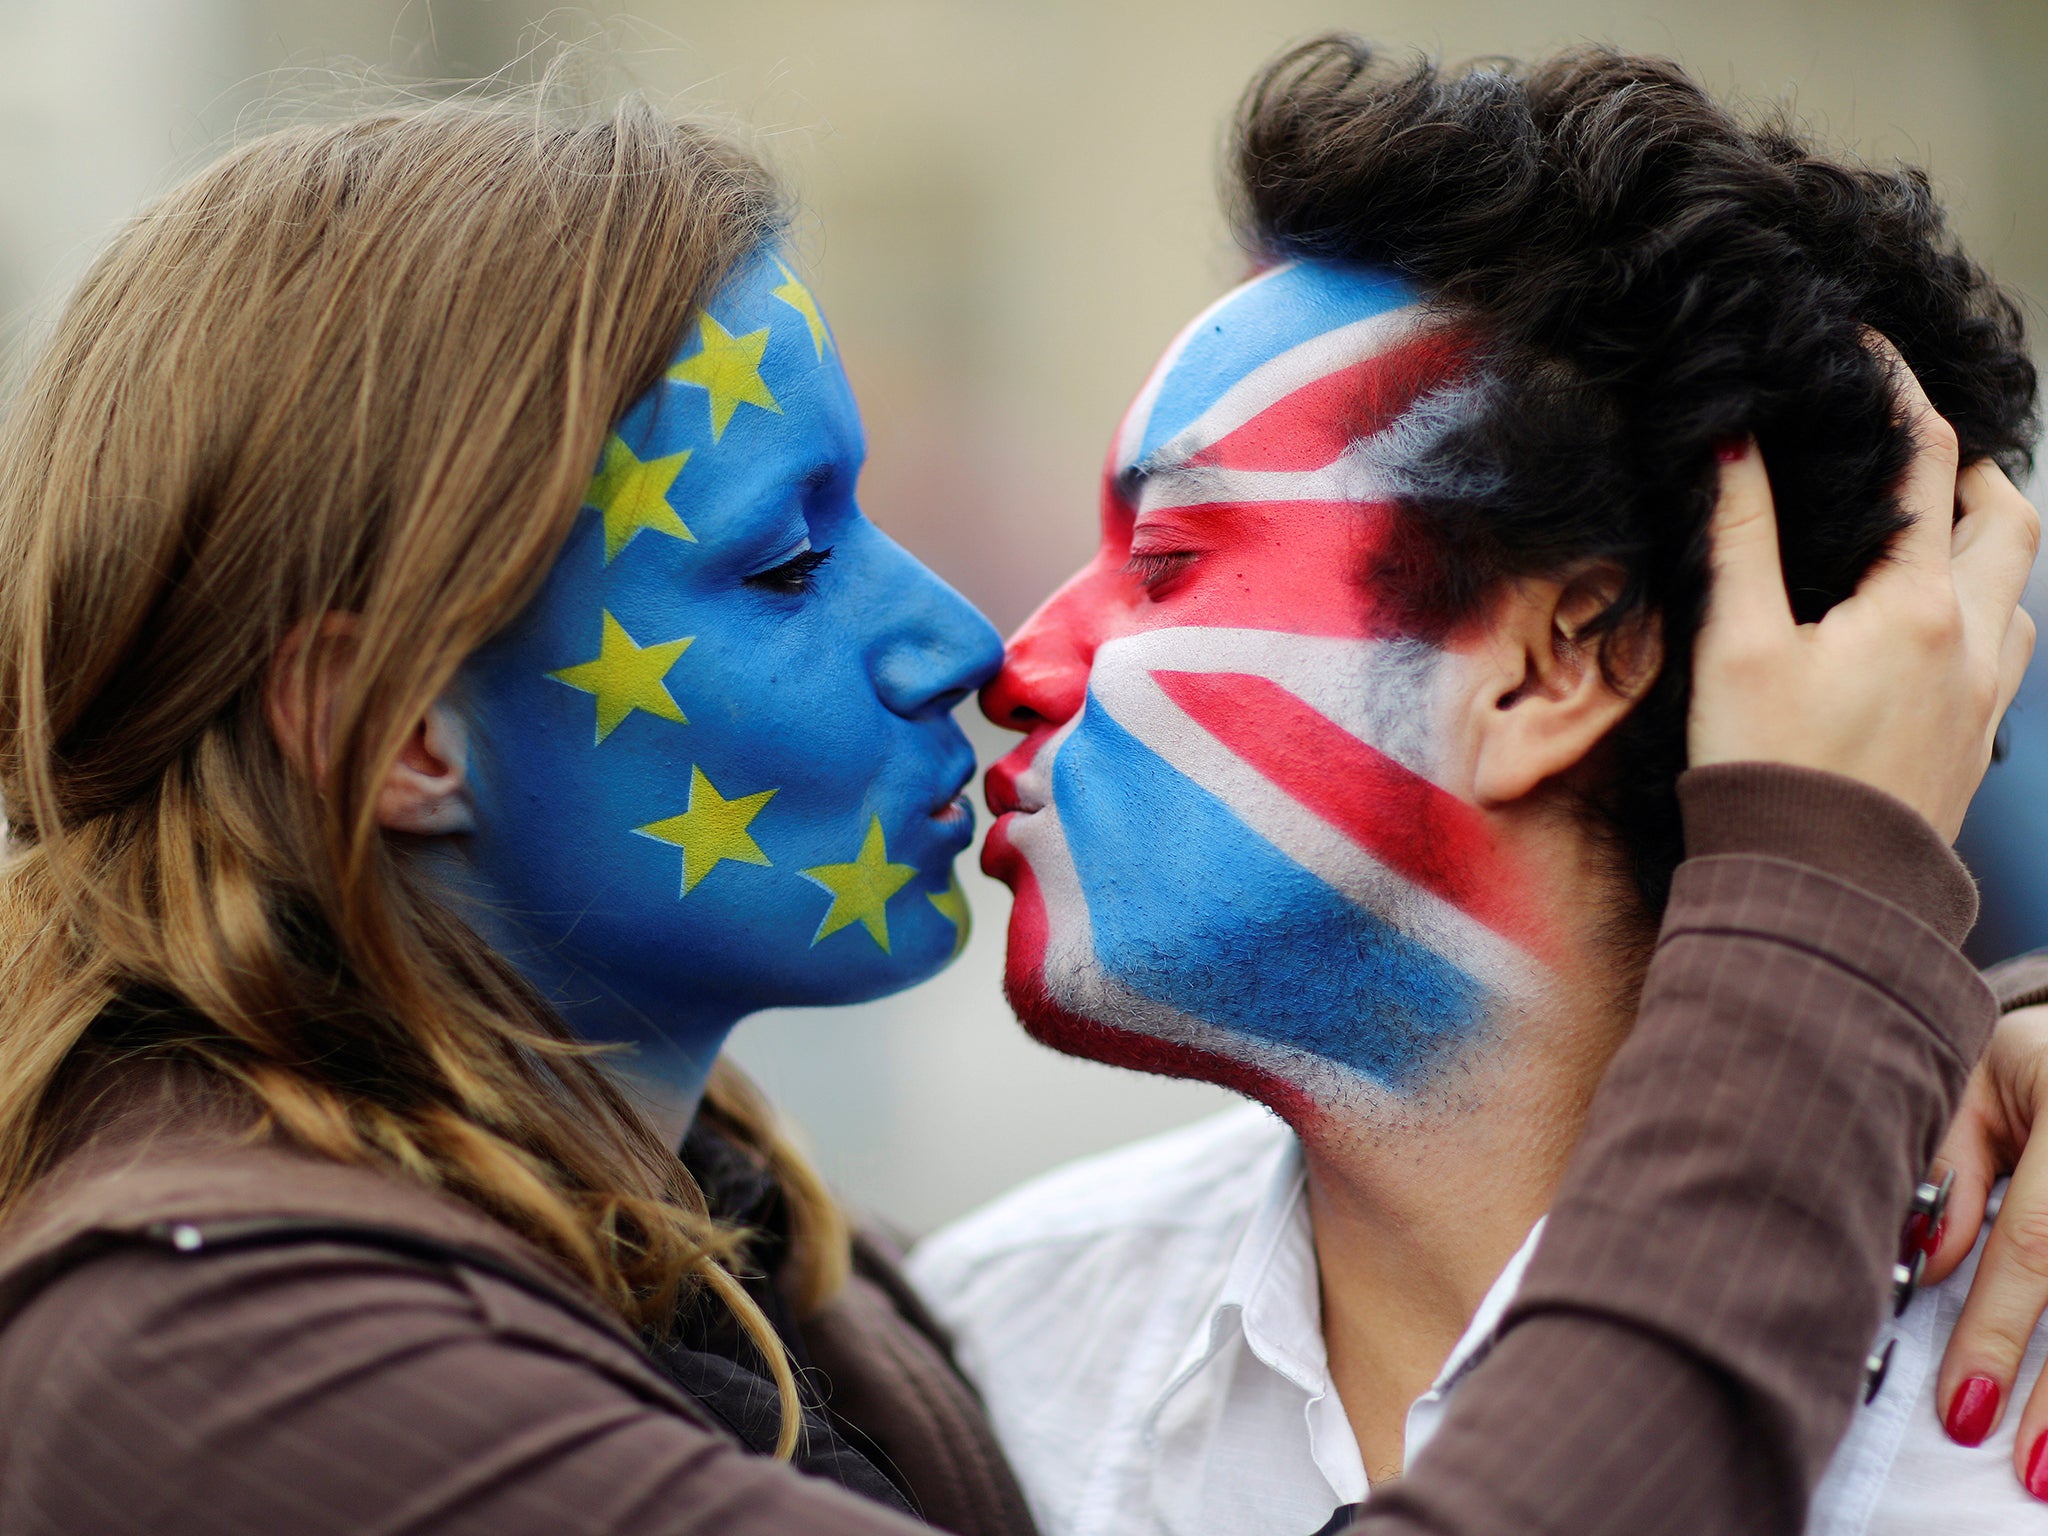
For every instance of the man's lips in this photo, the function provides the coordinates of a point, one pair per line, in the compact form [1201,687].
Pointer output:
[1016,787]
[1000,859]
[1000,786]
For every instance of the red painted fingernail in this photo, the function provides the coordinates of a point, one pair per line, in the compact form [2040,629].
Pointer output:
[2037,1469]
[1921,1238]
[1970,1415]
[1729,449]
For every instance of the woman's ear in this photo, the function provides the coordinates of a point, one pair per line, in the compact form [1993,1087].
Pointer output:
[1557,690]
[426,790]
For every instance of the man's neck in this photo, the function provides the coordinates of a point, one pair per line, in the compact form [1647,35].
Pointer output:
[1418,1206]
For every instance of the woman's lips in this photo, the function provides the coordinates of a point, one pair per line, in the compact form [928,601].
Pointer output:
[955,807]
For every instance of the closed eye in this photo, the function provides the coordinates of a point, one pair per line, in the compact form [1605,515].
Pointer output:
[1155,570]
[794,576]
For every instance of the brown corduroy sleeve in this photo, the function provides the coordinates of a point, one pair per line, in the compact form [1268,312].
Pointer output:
[1681,1359]
[2021,982]
[1688,1344]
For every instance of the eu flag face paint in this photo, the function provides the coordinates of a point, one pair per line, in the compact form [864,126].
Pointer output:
[714,760]
[1231,854]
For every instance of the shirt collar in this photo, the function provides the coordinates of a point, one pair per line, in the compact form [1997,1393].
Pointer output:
[1426,1413]
[1270,1294]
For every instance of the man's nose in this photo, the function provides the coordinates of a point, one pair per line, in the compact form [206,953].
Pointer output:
[937,649]
[1044,679]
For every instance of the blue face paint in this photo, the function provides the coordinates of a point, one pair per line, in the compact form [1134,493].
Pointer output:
[1222,925]
[714,762]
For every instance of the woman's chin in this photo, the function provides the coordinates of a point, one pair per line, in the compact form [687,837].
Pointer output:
[917,952]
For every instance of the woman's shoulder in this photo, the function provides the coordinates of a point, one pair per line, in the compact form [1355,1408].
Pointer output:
[180,1258]
[172,1252]
[216,1353]
[135,1321]
[323,1388]
[170,1158]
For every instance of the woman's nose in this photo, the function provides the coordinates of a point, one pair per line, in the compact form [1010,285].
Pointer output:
[1044,679]
[937,649]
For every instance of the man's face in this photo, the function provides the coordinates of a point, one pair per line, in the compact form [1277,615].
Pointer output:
[1230,851]
[715,759]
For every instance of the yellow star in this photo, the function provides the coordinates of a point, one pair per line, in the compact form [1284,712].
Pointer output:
[626,677]
[861,890]
[952,905]
[798,298]
[632,493]
[728,367]
[712,828]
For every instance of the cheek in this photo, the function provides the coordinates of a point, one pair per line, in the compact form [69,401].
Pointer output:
[1245,833]
[763,706]
[729,852]
[1243,917]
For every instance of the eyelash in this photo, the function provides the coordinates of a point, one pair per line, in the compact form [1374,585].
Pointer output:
[794,576]
[1155,570]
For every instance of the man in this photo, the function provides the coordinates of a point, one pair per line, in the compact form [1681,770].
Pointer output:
[1351,774]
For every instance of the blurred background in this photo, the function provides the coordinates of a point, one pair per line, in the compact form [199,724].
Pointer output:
[1010,207]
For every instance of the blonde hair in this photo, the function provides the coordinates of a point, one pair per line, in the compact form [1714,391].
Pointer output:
[359,367]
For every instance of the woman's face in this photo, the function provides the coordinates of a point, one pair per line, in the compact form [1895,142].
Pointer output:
[714,761]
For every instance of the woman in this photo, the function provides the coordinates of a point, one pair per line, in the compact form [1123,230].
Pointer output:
[371,767]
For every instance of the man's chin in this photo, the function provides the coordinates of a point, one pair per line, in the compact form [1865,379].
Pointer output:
[1052,1023]
[1049,1023]
[1031,998]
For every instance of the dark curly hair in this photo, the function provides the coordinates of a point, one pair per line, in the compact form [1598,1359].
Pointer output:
[1645,275]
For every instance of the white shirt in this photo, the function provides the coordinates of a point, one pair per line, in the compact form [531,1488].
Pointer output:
[1146,1329]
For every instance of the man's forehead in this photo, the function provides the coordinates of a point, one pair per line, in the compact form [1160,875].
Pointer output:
[1306,318]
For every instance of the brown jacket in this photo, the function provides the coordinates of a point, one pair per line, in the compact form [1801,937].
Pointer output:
[200,1336]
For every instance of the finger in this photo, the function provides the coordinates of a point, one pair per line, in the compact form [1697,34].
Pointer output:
[2014,652]
[2029,1458]
[2007,1296]
[1967,1154]
[1749,584]
[1992,546]
[1927,491]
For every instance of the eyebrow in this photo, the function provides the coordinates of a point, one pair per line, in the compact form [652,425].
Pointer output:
[1349,478]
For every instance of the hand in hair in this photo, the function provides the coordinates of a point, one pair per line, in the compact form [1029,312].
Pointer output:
[1646,273]
[1900,685]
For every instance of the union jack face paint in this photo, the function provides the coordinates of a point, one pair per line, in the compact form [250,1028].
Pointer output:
[1234,853]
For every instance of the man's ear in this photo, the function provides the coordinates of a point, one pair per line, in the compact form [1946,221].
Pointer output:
[1550,700]
[427,789]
